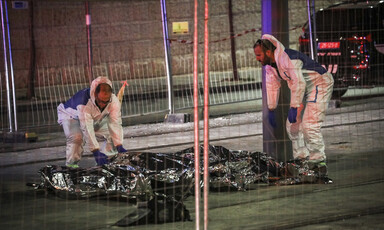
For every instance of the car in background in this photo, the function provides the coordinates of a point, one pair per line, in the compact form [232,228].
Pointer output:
[349,39]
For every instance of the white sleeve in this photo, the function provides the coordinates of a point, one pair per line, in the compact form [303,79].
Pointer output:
[296,83]
[115,123]
[273,88]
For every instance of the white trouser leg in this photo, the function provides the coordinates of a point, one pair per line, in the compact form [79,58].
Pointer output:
[74,139]
[295,134]
[314,116]
[312,121]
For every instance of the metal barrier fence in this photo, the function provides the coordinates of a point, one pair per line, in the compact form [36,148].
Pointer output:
[60,63]
[141,97]
[127,44]
[128,47]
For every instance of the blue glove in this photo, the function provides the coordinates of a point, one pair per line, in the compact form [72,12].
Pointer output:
[271,118]
[292,114]
[121,149]
[101,158]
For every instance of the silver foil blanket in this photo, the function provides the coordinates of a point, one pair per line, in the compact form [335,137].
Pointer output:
[160,182]
[143,175]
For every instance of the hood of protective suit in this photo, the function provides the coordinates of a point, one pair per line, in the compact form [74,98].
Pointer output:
[279,46]
[95,83]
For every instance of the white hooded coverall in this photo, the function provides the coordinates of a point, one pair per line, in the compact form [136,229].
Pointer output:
[83,121]
[311,88]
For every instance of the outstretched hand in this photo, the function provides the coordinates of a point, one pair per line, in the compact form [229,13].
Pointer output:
[292,114]
[121,149]
[271,118]
[101,158]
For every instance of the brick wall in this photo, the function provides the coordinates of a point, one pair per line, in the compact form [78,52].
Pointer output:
[127,37]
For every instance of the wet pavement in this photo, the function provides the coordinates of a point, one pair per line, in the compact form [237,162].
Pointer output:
[353,134]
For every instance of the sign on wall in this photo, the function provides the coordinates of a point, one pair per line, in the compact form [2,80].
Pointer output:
[180,28]
[19,5]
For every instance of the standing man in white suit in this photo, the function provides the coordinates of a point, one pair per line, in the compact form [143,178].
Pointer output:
[311,89]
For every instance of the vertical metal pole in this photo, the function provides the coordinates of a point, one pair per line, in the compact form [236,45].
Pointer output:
[11,67]
[89,41]
[233,44]
[196,119]
[6,69]
[314,31]
[206,116]
[310,29]
[275,140]
[167,56]
[32,54]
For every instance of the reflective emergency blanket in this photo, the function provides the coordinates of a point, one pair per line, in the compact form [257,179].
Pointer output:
[168,178]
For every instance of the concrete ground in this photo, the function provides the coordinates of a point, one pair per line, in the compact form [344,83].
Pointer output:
[353,135]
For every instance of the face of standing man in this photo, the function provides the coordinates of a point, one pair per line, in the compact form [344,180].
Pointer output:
[264,57]
[264,51]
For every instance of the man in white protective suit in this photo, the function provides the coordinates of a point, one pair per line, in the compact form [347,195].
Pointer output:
[92,115]
[310,87]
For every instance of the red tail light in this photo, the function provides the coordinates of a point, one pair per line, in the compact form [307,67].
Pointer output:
[364,66]
[303,40]
[367,38]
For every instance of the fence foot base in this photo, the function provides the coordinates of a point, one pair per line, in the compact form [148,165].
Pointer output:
[177,118]
[16,137]
[334,104]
